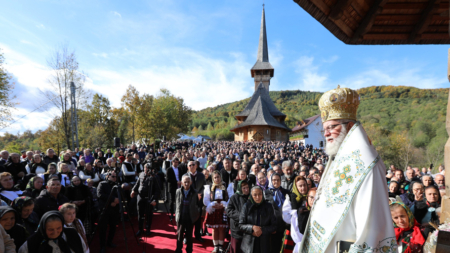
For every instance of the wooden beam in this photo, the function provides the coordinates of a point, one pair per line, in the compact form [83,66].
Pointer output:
[336,11]
[424,22]
[434,36]
[322,6]
[368,20]
[386,36]
[412,6]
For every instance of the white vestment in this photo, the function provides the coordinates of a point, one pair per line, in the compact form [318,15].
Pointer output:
[352,202]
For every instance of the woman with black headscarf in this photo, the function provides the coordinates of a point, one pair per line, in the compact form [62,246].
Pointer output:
[34,187]
[278,197]
[425,211]
[52,237]
[79,194]
[258,222]
[26,216]
[8,217]
[237,201]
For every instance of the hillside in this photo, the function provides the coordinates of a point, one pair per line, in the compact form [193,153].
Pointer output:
[416,114]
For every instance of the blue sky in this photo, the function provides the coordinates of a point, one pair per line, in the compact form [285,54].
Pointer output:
[200,50]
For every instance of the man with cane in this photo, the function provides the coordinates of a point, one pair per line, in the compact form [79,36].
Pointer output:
[148,192]
[110,213]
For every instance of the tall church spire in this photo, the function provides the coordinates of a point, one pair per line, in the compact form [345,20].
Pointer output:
[263,52]
[262,71]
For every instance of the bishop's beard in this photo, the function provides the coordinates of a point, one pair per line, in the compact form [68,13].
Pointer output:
[332,148]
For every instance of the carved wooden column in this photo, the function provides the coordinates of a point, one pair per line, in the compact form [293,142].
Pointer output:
[445,216]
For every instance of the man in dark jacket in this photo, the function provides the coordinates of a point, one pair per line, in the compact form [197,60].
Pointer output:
[234,208]
[287,180]
[228,173]
[198,183]
[51,157]
[50,198]
[173,177]
[186,213]
[110,213]
[147,191]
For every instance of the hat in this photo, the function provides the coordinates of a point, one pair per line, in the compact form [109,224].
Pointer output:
[340,103]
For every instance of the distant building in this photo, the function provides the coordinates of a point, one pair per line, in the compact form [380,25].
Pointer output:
[309,132]
[261,120]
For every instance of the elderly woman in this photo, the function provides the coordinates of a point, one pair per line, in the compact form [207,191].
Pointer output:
[8,217]
[80,195]
[216,200]
[37,166]
[237,201]
[66,174]
[53,172]
[299,219]
[414,194]
[26,216]
[52,237]
[427,180]
[8,192]
[407,230]
[394,187]
[89,173]
[68,210]
[299,192]
[34,187]
[67,159]
[278,197]
[425,211]
[257,222]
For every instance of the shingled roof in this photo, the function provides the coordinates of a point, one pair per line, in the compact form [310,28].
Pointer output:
[262,93]
[307,122]
[260,116]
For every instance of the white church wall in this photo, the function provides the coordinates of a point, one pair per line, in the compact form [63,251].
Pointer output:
[315,135]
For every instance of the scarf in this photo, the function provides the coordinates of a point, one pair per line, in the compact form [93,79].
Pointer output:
[278,196]
[251,197]
[18,203]
[239,187]
[264,187]
[39,242]
[297,193]
[416,236]
[220,185]
[30,185]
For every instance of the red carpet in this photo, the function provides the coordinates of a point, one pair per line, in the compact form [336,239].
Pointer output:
[163,238]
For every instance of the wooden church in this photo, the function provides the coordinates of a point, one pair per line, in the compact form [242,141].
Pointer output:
[261,120]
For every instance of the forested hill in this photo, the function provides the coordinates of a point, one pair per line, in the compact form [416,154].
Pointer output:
[416,114]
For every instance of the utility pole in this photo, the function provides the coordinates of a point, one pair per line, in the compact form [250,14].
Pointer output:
[74,118]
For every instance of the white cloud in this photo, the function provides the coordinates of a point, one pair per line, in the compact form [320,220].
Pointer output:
[40,26]
[103,55]
[117,14]
[310,77]
[26,42]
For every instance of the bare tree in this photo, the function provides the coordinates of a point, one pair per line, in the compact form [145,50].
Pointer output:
[65,69]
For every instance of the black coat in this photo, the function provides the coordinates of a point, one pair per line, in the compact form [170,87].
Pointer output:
[248,218]
[172,179]
[146,184]
[14,169]
[46,202]
[103,191]
[227,178]
[233,211]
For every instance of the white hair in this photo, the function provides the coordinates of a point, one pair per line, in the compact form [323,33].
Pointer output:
[332,148]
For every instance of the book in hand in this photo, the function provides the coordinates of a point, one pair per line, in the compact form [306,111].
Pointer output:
[343,246]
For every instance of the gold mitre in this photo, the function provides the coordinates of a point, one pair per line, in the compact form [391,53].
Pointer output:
[340,103]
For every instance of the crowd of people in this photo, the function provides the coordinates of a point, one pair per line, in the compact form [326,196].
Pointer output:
[257,196]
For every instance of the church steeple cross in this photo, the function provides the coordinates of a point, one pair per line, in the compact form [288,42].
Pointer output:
[342,178]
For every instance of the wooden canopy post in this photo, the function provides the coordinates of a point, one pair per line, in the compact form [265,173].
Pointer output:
[445,205]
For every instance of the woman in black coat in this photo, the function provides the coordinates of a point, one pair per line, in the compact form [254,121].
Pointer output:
[237,201]
[26,216]
[258,222]
[34,187]
[8,217]
[80,195]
